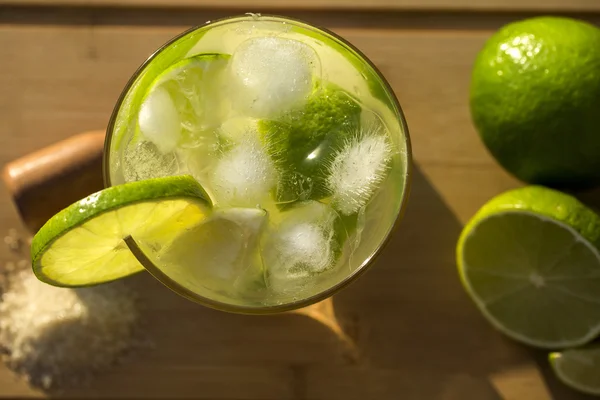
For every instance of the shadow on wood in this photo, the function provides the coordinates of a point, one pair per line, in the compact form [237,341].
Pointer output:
[556,387]
[407,315]
[417,335]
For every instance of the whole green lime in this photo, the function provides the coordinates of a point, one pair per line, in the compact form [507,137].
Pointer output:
[535,100]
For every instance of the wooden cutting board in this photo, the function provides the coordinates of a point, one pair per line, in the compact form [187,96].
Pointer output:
[61,71]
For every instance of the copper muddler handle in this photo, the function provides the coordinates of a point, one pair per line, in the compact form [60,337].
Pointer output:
[48,180]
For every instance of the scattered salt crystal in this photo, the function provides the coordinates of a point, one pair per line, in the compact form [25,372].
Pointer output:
[55,336]
[13,241]
[9,266]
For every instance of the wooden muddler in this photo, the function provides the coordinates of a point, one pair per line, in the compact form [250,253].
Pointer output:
[44,182]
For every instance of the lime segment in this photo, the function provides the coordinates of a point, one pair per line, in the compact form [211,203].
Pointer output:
[83,244]
[578,368]
[303,142]
[529,261]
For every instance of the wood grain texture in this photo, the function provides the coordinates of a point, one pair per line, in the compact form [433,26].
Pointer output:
[44,182]
[418,334]
[259,5]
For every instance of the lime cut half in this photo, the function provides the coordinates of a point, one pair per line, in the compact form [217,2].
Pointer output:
[529,261]
[83,244]
[578,368]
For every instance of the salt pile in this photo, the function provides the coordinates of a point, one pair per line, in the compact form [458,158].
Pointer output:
[56,337]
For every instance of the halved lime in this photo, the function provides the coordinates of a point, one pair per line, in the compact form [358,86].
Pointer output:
[530,262]
[83,244]
[578,368]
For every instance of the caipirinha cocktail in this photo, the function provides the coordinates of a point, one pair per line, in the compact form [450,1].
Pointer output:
[295,137]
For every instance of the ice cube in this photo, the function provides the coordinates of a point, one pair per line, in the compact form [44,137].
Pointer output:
[197,162]
[219,255]
[235,129]
[301,245]
[143,160]
[159,120]
[244,175]
[270,75]
[358,170]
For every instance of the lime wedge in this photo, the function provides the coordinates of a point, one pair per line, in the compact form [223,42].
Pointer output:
[83,244]
[578,368]
[302,143]
[530,262]
[183,105]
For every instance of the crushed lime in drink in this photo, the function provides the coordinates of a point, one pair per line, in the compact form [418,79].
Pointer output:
[297,143]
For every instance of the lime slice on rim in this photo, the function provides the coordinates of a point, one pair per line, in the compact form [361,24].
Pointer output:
[83,244]
[530,262]
[374,83]
[578,368]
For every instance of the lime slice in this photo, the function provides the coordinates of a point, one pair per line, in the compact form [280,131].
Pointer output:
[182,107]
[218,258]
[83,244]
[530,262]
[169,54]
[375,85]
[578,368]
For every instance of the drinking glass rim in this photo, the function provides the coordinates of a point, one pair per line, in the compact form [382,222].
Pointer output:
[365,265]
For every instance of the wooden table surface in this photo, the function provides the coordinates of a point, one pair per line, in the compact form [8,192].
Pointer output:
[62,68]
